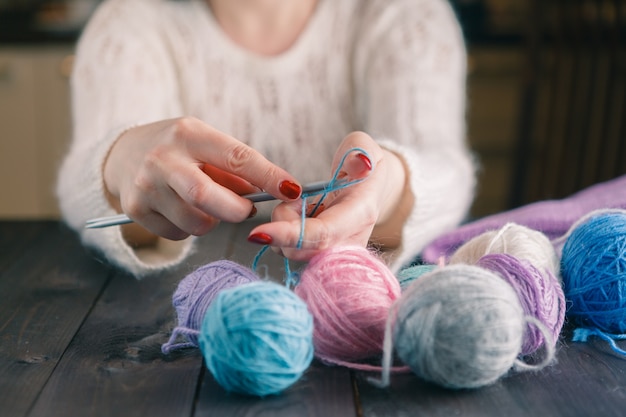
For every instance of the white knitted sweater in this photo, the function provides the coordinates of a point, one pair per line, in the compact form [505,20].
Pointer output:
[392,68]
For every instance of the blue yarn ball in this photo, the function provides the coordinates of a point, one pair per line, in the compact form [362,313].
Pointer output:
[409,274]
[593,267]
[257,338]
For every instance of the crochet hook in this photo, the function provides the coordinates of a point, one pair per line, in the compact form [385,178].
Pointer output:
[120,219]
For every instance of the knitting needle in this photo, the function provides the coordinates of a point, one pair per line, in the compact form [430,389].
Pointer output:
[120,219]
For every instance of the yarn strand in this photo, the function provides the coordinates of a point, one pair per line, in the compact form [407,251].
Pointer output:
[335,184]
[499,236]
[384,380]
[549,347]
[176,333]
[582,334]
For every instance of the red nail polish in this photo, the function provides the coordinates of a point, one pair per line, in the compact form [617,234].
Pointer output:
[252,212]
[366,160]
[290,189]
[260,238]
[318,211]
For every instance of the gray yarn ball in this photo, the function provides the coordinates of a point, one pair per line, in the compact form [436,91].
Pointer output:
[459,326]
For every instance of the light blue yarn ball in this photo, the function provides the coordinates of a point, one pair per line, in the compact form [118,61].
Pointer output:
[407,275]
[593,267]
[257,338]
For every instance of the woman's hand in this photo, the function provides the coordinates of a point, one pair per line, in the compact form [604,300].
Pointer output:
[372,210]
[180,177]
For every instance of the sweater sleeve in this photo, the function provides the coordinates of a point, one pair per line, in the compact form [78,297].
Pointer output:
[410,79]
[122,77]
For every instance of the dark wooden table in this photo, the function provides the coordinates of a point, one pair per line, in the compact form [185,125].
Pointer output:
[79,338]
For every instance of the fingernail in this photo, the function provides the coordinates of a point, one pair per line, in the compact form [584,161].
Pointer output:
[290,189]
[318,209]
[252,212]
[366,160]
[260,238]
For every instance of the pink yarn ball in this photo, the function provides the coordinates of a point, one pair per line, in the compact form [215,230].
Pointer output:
[349,292]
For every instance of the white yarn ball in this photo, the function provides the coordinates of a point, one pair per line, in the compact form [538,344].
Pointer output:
[513,239]
[459,326]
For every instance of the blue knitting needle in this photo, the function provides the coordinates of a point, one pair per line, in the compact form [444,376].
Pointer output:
[119,219]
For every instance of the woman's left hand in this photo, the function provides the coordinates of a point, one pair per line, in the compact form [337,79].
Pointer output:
[347,216]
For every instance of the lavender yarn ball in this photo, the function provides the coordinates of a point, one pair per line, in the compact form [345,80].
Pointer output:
[459,326]
[198,289]
[593,267]
[257,338]
[540,294]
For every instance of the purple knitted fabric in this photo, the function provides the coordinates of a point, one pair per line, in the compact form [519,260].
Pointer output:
[552,217]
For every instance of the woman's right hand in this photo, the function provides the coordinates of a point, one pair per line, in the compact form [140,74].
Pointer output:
[181,177]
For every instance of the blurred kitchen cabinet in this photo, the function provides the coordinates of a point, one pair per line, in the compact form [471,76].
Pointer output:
[34,127]
[572,131]
[493,93]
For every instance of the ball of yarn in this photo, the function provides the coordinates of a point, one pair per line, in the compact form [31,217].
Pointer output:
[349,291]
[257,338]
[513,239]
[540,294]
[593,263]
[198,289]
[459,326]
[407,275]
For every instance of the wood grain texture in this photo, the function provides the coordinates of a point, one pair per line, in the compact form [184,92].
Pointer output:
[115,362]
[587,380]
[45,294]
[322,391]
[17,236]
[78,338]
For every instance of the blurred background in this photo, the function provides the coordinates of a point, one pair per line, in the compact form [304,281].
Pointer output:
[546,97]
